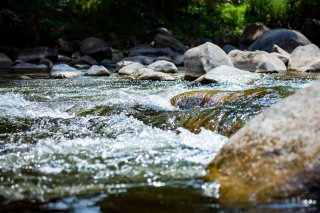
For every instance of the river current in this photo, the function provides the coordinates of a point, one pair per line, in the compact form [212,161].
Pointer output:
[113,145]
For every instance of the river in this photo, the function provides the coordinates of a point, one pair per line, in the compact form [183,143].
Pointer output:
[113,145]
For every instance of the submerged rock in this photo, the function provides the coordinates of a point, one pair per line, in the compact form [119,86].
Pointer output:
[284,38]
[200,60]
[304,58]
[257,61]
[163,66]
[276,155]
[96,70]
[226,74]
[193,99]
[64,71]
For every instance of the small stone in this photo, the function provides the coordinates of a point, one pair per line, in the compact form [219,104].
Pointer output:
[163,66]
[65,71]
[96,70]
[131,69]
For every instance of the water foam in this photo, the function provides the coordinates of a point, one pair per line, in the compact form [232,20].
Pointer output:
[13,104]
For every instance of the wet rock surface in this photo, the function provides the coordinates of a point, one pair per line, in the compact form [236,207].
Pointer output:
[211,98]
[275,155]
[257,61]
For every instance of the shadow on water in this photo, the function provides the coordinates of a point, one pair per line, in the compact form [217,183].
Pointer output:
[149,199]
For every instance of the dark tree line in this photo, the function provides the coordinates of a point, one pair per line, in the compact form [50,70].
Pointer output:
[33,22]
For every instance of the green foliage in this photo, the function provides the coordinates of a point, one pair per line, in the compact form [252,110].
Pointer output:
[131,20]
[272,12]
[281,13]
[233,17]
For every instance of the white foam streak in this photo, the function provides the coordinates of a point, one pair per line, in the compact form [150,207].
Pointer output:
[16,105]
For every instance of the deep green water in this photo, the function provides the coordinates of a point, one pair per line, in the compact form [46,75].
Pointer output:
[112,145]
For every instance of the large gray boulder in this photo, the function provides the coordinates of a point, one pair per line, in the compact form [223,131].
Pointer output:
[150,51]
[35,54]
[201,59]
[258,61]
[251,33]
[226,74]
[284,38]
[274,156]
[5,61]
[303,58]
[96,48]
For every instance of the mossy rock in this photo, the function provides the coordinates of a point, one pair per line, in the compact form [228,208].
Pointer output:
[193,99]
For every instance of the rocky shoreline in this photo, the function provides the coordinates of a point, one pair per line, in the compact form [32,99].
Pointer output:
[258,50]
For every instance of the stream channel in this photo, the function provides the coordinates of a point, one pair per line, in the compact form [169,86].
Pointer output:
[112,145]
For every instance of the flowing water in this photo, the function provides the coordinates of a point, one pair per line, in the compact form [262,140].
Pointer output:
[112,145]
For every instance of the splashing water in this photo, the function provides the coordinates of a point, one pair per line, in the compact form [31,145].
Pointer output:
[107,137]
